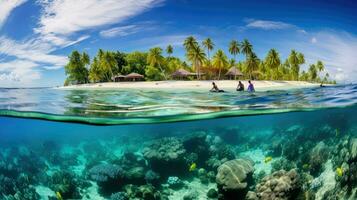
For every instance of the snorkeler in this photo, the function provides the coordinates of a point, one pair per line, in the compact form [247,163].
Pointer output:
[215,88]
[250,87]
[240,86]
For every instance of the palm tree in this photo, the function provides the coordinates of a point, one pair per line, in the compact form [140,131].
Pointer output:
[155,58]
[220,61]
[189,43]
[246,48]
[197,56]
[107,64]
[208,44]
[301,58]
[294,62]
[312,72]
[169,50]
[94,71]
[252,64]
[320,66]
[273,60]
[234,48]
[232,63]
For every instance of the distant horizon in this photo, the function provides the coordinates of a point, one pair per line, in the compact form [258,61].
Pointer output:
[36,37]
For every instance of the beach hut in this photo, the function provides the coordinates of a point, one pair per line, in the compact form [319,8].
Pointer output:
[118,78]
[134,77]
[180,74]
[233,72]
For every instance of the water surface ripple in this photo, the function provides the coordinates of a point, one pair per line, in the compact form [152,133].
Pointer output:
[142,106]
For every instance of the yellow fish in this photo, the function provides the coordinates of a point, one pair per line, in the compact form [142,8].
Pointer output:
[337,132]
[193,166]
[59,196]
[268,159]
[339,171]
[305,166]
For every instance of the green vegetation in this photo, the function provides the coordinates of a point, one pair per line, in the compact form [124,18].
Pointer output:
[154,65]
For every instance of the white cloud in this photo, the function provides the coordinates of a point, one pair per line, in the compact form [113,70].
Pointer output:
[61,19]
[64,17]
[313,40]
[163,41]
[18,73]
[61,24]
[267,25]
[6,6]
[31,51]
[120,31]
[336,49]
[302,31]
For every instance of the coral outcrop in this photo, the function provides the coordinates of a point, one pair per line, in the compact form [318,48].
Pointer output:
[234,177]
[318,156]
[281,185]
[167,156]
[345,159]
[108,177]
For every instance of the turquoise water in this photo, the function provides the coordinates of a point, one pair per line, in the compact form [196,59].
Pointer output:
[143,106]
[55,144]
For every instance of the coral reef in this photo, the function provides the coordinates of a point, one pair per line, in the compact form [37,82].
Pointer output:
[167,156]
[345,158]
[174,182]
[108,177]
[281,185]
[67,184]
[282,162]
[234,177]
[318,156]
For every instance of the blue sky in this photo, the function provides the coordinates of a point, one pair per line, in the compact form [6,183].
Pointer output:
[36,36]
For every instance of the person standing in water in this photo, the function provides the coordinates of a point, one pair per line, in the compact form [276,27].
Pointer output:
[240,86]
[215,88]
[250,87]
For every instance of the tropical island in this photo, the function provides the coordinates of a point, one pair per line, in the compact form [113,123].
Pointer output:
[155,66]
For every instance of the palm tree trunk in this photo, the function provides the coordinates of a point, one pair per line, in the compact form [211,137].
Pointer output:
[219,74]
[197,69]
[163,73]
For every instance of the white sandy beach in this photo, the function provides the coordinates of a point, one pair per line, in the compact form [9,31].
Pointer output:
[228,85]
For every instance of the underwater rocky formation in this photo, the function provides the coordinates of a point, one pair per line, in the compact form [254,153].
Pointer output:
[234,177]
[280,185]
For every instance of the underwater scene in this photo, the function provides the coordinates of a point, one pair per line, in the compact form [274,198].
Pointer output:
[117,145]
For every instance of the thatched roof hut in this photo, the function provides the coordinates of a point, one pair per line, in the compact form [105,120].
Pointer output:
[180,73]
[233,72]
[118,78]
[134,77]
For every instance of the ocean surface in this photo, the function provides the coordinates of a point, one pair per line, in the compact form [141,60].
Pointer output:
[118,144]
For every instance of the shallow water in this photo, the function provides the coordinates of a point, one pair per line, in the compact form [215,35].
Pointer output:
[46,159]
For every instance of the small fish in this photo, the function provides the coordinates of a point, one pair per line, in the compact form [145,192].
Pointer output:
[268,159]
[59,196]
[339,171]
[305,166]
[193,166]
[337,132]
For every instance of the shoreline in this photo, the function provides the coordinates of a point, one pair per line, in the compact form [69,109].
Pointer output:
[228,85]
